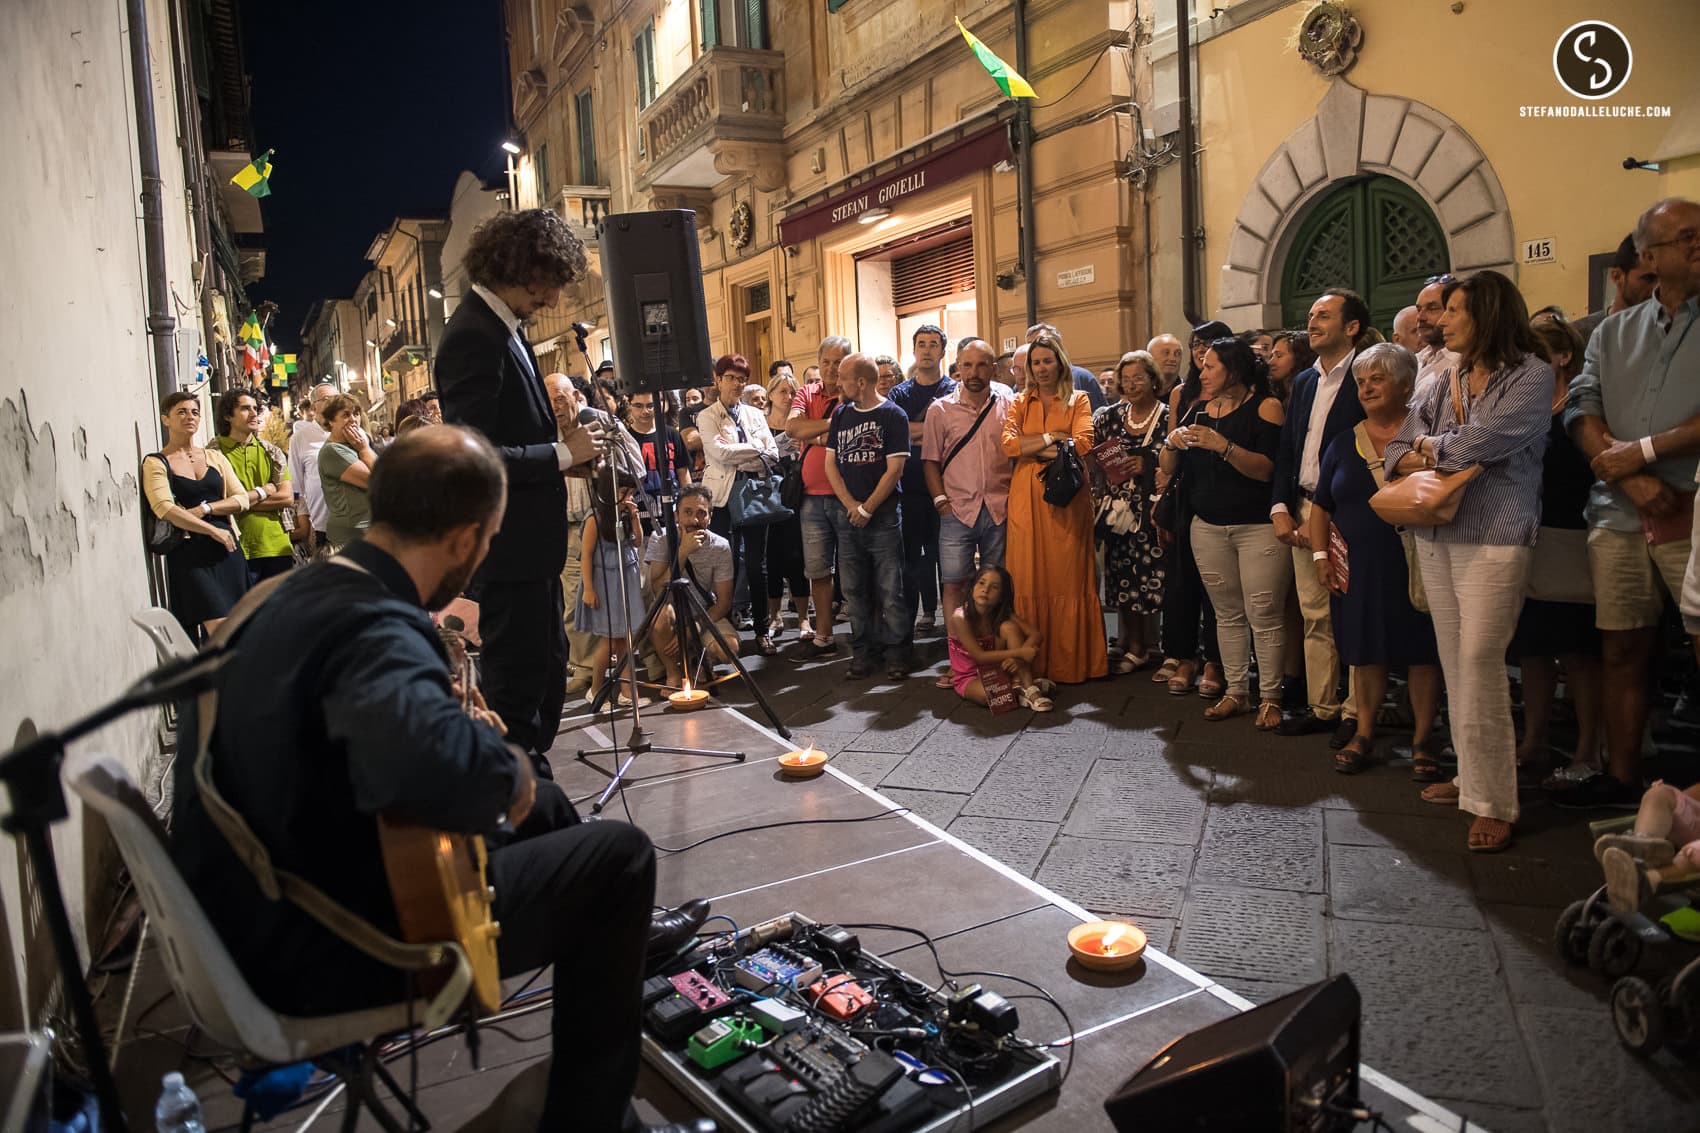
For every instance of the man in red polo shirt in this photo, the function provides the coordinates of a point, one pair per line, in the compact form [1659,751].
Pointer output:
[811,417]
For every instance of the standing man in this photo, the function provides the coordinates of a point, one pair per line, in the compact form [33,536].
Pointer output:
[1082,377]
[259,465]
[967,474]
[867,445]
[925,385]
[1405,330]
[1323,405]
[433,406]
[1632,283]
[518,262]
[811,417]
[305,441]
[1634,411]
[1433,359]
[662,448]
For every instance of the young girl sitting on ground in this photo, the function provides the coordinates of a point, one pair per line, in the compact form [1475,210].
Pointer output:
[604,608]
[1663,849]
[985,631]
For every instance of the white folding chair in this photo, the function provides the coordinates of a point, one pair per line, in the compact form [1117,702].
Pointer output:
[169,639]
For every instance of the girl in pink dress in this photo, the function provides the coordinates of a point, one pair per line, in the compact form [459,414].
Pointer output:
[984,631]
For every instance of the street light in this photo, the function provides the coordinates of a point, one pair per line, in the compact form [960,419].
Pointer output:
[433,293]
[512,147]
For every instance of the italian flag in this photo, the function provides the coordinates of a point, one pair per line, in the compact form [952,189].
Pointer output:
[1002,73]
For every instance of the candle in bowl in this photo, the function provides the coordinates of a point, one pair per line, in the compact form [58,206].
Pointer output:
[687,698]
[1106,945]
[804,764]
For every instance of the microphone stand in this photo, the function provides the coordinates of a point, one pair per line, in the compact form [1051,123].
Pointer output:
[30,772]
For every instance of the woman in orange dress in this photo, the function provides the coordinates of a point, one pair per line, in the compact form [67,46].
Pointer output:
[1050,548]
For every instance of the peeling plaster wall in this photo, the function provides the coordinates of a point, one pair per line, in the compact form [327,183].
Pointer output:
[76,412]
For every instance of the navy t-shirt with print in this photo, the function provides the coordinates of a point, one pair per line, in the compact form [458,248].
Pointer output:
[862,441]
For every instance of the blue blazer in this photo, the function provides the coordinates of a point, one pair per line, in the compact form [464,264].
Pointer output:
[1342,415]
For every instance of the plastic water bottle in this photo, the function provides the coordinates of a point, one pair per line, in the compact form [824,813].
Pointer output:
[179,1110]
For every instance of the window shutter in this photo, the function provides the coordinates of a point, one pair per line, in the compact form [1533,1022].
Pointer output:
[752,20]
[709,11]
[934,276]
[587,170]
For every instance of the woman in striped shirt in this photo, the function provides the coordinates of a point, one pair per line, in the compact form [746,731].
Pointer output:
[1493,410]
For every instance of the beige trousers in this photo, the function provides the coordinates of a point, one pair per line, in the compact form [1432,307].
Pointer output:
[1322,661]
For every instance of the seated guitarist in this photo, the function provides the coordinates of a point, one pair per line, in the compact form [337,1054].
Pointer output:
[386,733]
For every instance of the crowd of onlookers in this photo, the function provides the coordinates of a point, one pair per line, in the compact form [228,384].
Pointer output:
[1217,492]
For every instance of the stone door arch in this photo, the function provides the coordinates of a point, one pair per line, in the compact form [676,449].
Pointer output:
[1352,134]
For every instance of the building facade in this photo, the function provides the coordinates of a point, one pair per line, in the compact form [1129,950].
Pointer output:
[1416,139]
[786,125]
[333,346]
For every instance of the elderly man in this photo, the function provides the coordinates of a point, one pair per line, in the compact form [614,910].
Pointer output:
[1433,359]
[305,441]
[811,417]
[1634,411]
[1169,355]
[1405,331]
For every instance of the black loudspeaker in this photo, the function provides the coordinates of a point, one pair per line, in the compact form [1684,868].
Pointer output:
[1277,1068]
[652,277]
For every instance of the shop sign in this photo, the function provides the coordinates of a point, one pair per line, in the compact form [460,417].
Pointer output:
[972,154]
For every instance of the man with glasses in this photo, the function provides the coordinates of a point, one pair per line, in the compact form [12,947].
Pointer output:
[663,448]
[1433,358]
[1634,411]
[305,441]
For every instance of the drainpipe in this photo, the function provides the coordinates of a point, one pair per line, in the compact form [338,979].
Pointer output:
[162,327]
[1024,169]
[1189,171]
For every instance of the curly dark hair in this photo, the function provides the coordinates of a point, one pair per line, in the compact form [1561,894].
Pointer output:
[523,249]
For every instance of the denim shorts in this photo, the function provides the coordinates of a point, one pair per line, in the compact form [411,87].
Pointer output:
[819,538]
[958,542]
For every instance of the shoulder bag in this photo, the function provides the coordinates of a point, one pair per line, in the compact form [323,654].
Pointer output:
[163,536]
[1407,542]
[1427,497]
[756,496]
[1166,508]
[969,435]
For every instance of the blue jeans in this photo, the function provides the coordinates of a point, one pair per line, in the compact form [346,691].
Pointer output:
[958,542]
[870,562]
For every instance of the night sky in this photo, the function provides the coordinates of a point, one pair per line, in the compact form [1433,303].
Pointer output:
[374,107]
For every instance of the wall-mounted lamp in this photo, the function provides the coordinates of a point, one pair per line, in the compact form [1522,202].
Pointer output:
[1637,163]
[389,322]
[433,293]
[874,215]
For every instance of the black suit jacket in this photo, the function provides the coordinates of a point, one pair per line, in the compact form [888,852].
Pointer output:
[489,381]
[1342,415]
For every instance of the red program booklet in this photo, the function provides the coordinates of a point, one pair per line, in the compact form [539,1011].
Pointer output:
[1119,463]
[1000,689]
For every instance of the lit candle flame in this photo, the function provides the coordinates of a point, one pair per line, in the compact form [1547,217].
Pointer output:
[1107,943]
[687,689]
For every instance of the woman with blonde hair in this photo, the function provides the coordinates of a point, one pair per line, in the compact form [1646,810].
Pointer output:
[1050,550]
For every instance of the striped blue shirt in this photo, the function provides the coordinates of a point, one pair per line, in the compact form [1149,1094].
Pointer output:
[1506,433]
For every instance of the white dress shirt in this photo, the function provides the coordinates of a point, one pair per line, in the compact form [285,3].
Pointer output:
[305,440]
[1327,389]
[1432,361]
[563,455]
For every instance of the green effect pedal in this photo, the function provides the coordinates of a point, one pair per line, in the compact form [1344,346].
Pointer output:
[723,1041]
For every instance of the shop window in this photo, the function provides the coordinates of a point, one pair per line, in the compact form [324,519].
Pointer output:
[931,277]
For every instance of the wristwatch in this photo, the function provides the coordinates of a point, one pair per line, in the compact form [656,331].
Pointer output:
[206,508]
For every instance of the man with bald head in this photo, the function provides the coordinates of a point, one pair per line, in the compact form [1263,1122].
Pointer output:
[1168,353]
[867,447]
[1405,330]
[305,441]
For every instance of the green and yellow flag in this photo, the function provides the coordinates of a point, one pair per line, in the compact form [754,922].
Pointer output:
[255,177]
[1002,73]
[283,365]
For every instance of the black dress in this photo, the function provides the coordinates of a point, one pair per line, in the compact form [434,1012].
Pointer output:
[1547,629]
[206,579]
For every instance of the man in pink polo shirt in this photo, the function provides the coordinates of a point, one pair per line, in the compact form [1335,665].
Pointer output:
[811,417]
[967,472]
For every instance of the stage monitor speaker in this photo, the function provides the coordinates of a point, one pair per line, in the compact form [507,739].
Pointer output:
[652,277]
[1274,1069]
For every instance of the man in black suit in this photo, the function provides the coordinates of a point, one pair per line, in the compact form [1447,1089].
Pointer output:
[488,374]
[1323,405]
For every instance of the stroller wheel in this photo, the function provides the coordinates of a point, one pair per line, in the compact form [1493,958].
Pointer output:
[1570,934]
[1638,1016]
[1614,949]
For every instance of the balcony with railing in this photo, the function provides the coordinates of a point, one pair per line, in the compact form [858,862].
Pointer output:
[725,115]
[583,207]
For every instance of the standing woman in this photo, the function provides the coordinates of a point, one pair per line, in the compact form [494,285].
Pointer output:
[195,490]
[785,538]
[1185,604]
[736,438]
[1224,450]
[1492,410]
[1049,552]
[1133,557]
[1289,356]
[345,467]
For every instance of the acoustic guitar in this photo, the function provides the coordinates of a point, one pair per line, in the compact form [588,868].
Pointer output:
[438,880]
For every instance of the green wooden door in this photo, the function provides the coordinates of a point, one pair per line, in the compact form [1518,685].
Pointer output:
[1374,235]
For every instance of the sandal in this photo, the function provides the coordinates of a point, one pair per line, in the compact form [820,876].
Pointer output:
[1426,764]
[1180,684]
[765,644]
[1268,715]
[1036,700]
[1440,794]
[1355,756]
[1226,707]
[946,682]
[1489,835]
[1211,686]
[1166,672]
[1132,662]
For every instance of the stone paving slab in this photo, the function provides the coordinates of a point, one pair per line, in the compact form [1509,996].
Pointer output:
[1532,967]
[1432,1007]
[1592,1085]
[900,729]
[1264,847]
[1137,878]
[1517,880]
[1136,802]
[1407,832]
[937,807]
[1376,883]
[866,767]
[1031,783]
[1017,843]
[1234,933]
[949,765]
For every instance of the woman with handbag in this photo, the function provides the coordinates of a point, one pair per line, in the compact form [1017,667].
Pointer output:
[1132,428]
[1049,550]
[1469,463]
[737,446]
[1224,452]
[193,492]
[1365,565]
[785,538]
[1557,625]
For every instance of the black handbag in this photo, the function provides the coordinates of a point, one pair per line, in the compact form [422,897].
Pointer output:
[162,535]
[756,498]
[1065,477]
[791,482]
